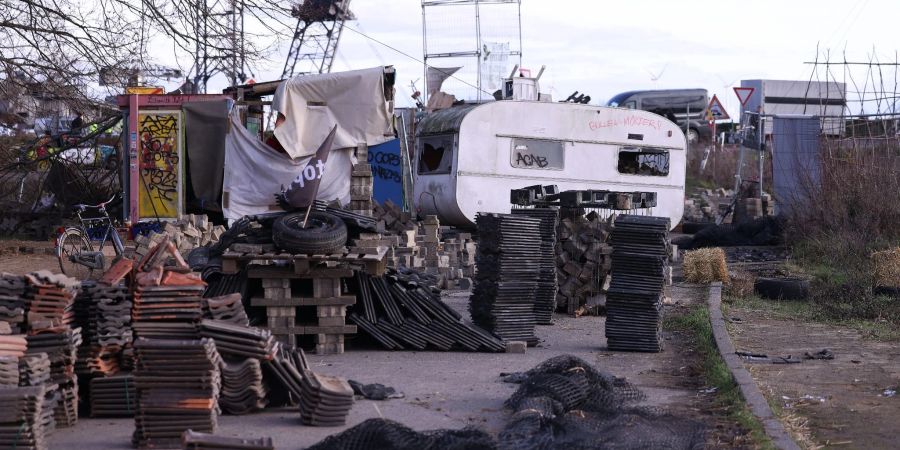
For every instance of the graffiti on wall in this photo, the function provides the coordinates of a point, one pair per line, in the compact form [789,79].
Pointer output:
[160,171]
[387,171]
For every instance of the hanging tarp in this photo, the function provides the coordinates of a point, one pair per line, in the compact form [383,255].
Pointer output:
[206,124]
[254,173]
[313,104]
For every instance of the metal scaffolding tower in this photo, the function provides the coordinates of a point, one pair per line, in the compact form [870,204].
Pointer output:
[319,27]
[220,47]
[478,36]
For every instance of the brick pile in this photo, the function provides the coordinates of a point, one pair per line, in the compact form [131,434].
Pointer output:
[187,233]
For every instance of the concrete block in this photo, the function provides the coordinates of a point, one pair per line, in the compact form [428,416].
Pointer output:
[516,347]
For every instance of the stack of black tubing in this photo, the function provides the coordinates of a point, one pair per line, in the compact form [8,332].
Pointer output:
[545,296]
[634,300]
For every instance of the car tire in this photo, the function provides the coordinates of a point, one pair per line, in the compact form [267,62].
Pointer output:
[692,135]
[788,288]
[324,233]
[887,291]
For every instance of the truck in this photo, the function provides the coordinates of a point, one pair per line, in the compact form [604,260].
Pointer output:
[469,158]
[686,107]
[827,100]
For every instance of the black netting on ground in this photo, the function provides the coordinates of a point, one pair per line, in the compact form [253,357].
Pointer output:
[388,435]
[562,404]
[604,391]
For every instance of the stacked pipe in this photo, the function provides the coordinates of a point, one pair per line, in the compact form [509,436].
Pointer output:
[545,296]
[508,267]
[634,299]
[177,385]
[400,313]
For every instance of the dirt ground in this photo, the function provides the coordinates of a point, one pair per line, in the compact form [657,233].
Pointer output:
[839,403]
[23,263]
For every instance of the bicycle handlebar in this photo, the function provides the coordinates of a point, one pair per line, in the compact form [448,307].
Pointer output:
[83,207]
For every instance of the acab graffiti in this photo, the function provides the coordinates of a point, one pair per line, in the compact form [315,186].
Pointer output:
[159,159]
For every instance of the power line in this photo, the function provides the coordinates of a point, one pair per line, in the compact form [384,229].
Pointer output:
[416,59]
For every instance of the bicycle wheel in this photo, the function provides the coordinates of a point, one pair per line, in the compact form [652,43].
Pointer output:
[70,244]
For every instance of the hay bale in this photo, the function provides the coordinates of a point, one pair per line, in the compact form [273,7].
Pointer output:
[887,268]
[740,283]
[705,266]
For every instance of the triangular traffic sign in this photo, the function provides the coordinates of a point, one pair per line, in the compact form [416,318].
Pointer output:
[743,94]
[715,110]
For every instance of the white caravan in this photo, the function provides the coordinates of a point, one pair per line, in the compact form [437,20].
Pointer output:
[469,157]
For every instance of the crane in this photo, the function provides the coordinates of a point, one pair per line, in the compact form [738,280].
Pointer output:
[319,27]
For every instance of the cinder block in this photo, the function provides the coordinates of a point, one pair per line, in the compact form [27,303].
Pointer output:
[516,346]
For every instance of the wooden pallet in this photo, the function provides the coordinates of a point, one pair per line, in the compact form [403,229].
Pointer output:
[329,326]
[372,263]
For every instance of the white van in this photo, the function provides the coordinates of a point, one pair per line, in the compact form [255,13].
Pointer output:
[468,158]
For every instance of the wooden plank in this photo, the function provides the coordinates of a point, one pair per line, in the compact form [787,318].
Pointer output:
[286,272]
[314,329]
[230,254]
[230,266]
[344,300]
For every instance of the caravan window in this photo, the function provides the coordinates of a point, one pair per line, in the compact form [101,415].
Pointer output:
[537,154]
[643,161]
[435,154]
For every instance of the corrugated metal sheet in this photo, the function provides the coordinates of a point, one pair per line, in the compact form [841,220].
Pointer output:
[443,121]
[796,160]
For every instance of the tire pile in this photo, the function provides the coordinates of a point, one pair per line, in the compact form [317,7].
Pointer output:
[634,300]
[508,269]
[545,295]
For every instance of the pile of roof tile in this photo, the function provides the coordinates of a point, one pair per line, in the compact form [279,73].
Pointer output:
[51,299]
[634,300]
[12,303]
[545,294]
[60,344]
[400,313]
[34,371]
[242,349]
[192,440]
[13,345]
[21,425]
[227,308]
[107,332]
[9,371]
[243,389]
[167,298]
[50,314]
[324,400]
[177,384]
[113,396]
[508,268]
[287,369]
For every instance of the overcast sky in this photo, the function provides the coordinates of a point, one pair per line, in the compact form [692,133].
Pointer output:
[604,47]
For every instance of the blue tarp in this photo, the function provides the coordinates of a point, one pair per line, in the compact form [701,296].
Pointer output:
[387,170]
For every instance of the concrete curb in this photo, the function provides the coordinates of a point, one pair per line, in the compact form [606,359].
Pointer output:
[749,390]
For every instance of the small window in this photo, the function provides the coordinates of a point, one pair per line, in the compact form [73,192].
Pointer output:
[644,161]
[631,104]
[436,155]
[537,154]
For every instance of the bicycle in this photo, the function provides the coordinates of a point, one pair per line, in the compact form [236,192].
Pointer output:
[75,244]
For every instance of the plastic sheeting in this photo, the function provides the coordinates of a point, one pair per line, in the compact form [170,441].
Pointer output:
[313,104]
[254,173]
